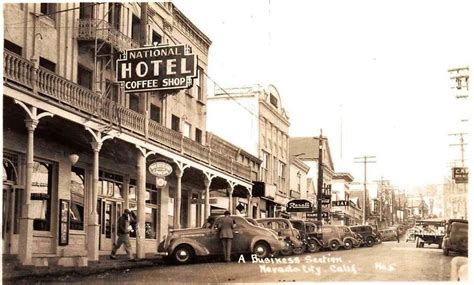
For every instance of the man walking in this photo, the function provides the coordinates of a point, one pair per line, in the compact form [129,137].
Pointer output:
[123,232]
[226,235]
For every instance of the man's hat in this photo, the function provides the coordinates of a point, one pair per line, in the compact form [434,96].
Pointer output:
[126,211]
[226,213]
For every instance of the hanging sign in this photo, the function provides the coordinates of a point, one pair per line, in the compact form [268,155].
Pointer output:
[460,174]
[300,205]
[163,67]
[160,168]
[340,203]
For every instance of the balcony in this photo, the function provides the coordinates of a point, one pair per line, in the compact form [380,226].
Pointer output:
[89,29]
[21,74]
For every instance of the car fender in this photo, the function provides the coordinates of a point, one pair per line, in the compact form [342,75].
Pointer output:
[199,249]
[351,238]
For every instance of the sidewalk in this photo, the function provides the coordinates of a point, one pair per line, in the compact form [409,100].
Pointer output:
[12,271]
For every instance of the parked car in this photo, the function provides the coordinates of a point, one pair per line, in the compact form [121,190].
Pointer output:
[314,229]
[285,229]
[432,232]
[310,243]
[183,245]
[332,237]
[456,238]
[388,235]
[367,232]
[348,237]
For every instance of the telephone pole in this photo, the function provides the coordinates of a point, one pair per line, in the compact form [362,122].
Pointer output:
[462,144]
[364,159]
[320,174]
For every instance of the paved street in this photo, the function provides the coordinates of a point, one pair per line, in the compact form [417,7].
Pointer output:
[388,261]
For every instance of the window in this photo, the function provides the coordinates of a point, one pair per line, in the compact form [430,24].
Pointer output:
[48,9]
[275,170]
[155,113]
[111,90]
[136,28]
[200,84]
[84,77]
[175,123]
[41,189]
[134,102]
[187,129]
[114,15]
[155,38]
[86,11]
[77,198]
[49,65]
[198,135]
[110,185]
[151,208]
[8,45]
[273,101]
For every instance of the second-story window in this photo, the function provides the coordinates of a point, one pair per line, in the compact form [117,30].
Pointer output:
[111,91]
[133,103]
[84,77]
[49,65]
[198,135]
[8,45]
[48,9]
[155,113]
[136,29]
[175,123]
[114,15]
[274,101]
[187,129]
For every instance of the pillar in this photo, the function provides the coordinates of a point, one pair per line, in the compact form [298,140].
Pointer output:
[25,247]
[207,206]
[93,222]
[177,199]
[230,189]
[141,193]
[249,207]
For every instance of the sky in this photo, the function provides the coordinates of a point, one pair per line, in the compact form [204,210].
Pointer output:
[372,74]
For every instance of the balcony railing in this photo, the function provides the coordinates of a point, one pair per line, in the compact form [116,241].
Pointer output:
[89,29]
[21,73]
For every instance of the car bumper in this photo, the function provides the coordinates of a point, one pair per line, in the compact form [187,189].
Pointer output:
[162,253]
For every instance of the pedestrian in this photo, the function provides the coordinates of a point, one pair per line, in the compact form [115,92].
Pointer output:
[398,235]
[210,222]
[123,232]
[226,224]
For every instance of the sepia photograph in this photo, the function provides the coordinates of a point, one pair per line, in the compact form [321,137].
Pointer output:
[236,142]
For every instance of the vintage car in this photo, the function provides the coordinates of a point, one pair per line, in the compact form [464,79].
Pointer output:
[311,244]
[432,232]
[456,238]
[332,237]
[349,238]
[388,235]
[183,245]
[314,229]
[367,232]
[284,229]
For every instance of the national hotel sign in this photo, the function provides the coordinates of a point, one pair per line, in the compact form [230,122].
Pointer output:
[157,68]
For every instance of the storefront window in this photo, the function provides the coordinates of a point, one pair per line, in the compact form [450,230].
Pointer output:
[41,195]
[110,185]
[77,198]
[171,208]
[150,223]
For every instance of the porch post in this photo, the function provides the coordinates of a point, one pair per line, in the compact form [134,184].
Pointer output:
[177,200]
[207,184]
[249,207]
[93,221]
[141,192]
[25,242]
[231,191]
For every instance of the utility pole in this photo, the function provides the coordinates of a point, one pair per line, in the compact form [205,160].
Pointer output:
[462,144]
[382,194]
[320,174]
[364,159]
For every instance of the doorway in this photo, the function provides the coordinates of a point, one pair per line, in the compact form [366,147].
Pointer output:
[109,212]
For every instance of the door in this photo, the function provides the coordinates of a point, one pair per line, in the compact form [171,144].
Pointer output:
[6,224]
[11,211]
[109,213]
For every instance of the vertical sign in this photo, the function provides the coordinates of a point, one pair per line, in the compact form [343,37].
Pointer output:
[63,222]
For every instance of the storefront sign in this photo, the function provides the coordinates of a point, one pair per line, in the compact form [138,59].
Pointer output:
[160,168]
[325,201]
[312,215]
[460,174]
[157,68]
[340,203]
[300,205]
[63,222]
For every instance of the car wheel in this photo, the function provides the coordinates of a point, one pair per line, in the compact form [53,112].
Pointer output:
[348,244]
[183,254]
[334,245]
[298,250]
[261,249]
[369,241]
[312,246]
